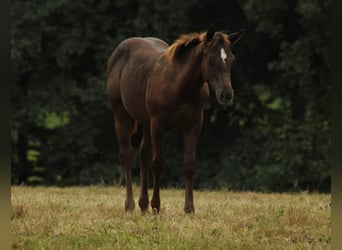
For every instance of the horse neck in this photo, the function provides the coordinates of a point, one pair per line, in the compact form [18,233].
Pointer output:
[189,75]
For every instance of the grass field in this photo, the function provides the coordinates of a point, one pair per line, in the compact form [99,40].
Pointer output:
[94,218]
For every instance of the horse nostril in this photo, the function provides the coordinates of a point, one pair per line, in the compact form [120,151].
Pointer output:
[225,96]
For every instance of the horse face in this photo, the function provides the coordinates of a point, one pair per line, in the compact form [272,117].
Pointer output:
[217,67]
[217,63]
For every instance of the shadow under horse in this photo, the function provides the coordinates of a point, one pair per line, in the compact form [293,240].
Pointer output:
[166,87]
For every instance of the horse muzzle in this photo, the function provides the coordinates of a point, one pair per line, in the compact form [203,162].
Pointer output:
[225,98]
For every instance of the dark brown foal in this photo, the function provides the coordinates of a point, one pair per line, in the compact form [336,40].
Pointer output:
[166,88]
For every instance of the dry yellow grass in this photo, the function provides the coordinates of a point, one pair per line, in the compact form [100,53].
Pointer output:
[94,218]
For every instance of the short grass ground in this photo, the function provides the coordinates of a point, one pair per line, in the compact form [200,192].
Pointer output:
[94,218]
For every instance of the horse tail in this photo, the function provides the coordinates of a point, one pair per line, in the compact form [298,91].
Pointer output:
[134,127]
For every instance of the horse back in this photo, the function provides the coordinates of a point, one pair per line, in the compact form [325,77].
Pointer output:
[128,69]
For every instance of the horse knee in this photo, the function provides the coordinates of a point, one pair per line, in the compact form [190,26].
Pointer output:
[157,166]
[126,156]
[189,166]
[145,155]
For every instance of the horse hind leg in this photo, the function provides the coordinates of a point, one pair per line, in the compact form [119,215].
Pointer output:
[157,165]
[145,160]
[125,127]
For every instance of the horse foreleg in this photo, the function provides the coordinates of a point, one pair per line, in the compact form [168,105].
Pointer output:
[191,135]
[157,163]
[145,160]
[123,127]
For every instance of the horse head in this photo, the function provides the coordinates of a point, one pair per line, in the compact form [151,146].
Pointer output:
[217,62]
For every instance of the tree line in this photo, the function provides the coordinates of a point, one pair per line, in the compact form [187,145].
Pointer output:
[276,137]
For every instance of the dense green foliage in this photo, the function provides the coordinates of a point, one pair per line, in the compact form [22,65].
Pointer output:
[275,138]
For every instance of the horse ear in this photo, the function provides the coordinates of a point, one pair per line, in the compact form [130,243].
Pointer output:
[235,37]
[211,32]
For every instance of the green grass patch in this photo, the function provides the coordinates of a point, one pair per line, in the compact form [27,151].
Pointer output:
[94,218]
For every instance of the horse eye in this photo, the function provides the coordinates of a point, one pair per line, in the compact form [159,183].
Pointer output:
[211,61]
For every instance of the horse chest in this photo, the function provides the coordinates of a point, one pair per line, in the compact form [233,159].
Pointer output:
[178,116]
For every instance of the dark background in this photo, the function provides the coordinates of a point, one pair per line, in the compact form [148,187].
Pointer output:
[275,138]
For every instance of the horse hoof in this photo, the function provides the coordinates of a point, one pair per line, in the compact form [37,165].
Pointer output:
[155,210]
[155,204]
[190,209]
[129,206]
[143,204]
